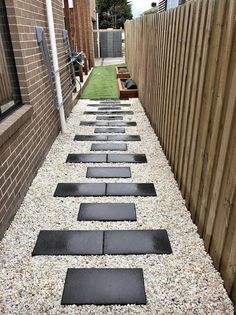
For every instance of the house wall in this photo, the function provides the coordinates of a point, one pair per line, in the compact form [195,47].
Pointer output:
[27,134]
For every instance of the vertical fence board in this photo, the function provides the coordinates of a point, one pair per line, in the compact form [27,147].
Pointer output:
[181,81]
[186,90]
[177,81]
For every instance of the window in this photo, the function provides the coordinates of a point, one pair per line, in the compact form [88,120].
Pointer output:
[10,97]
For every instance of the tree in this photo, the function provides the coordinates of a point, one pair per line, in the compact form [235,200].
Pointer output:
[113,13]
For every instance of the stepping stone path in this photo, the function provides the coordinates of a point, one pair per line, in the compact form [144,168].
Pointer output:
[107,286]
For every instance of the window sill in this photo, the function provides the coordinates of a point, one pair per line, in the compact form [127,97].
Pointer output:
[12,123]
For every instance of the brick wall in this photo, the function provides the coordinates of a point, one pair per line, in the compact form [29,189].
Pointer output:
[27,135]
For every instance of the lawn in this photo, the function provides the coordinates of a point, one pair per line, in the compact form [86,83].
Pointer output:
[102,84]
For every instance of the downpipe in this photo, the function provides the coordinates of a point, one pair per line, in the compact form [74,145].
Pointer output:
[56,65]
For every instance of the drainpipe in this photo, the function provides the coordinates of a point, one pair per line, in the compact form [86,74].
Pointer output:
[98,36]
[56,65]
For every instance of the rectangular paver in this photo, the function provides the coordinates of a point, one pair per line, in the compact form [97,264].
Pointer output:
[109,123]
[106,158]
[110,105]
[80,189]
[94,123]
[109,118]
[109,130]
[123,138]
[91,138]
[86,158]
[107,138]
[122,123]
[128,112]
[131,189]
[126,158]
[136,242]
[104,286]
[108,172]
[66,242]
[107,212]
[109,108]
[109,147]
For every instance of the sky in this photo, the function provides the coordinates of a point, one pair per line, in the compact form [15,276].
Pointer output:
[139,6]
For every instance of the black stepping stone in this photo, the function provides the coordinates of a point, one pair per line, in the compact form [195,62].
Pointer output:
[108,123]
[86,158]
[69,243]
[109,118]
[109,130]
[124,189]
[109,147]
[107,212]
[106,158]
[110,102]
[94,123]
[122,112]
[139,242]
[109,108]
[108,172]
[77,190]
[104,286]
[129,112]
[126,158]
[122,123]
[90,138]
[123,138]
[97,113]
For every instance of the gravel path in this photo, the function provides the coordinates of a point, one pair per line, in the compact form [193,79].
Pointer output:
[183,283]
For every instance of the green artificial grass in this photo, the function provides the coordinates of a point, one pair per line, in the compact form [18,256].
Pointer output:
[102,84]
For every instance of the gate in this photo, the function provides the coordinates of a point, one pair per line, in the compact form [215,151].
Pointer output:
[108,43]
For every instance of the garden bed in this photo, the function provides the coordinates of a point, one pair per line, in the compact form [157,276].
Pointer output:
[124,92]
[122,72]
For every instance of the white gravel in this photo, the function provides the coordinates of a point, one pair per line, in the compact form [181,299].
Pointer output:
[183,283]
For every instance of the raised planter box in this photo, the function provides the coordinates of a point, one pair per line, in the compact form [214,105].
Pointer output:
[122,72]
[126,93]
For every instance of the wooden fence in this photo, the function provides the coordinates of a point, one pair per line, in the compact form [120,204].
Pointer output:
[184,62]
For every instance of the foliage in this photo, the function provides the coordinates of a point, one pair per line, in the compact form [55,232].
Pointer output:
[113,13]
